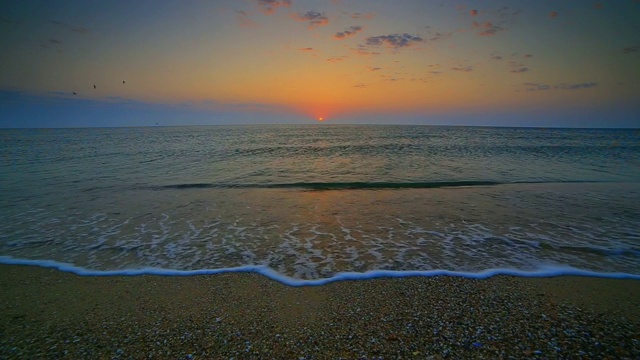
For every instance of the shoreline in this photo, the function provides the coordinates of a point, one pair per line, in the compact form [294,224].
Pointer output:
[544,272]
[52,314]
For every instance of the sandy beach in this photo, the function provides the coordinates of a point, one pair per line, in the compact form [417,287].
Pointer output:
[50,314]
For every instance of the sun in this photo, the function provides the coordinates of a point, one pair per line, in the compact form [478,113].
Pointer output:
[320,118]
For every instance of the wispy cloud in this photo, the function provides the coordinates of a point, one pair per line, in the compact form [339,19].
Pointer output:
[364,51]
[75,29]
[505,12]
[530,86]
[336,58]
[537,86]
[359,85]
[527,56]
[496,56]
[350,31]
[438,36]
[473,12]
[371,68]
[462,68]
[244,21]
[312,18]
[578,86]
[395,41]
[517,67]
[55,41]
[270,6]
[487,28]
[309,50]
[631,49]
[359,15]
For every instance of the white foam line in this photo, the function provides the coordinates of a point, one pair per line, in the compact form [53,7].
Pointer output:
[544,271]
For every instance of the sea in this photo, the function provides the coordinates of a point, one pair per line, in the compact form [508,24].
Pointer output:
[310,204]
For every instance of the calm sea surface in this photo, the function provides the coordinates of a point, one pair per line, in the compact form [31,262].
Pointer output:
[310,202]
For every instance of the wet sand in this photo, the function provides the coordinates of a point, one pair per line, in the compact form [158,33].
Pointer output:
[50,314]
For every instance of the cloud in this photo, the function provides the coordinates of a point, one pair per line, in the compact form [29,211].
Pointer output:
[578,86]
[336,58]
[553,14]
[537,86]
[505,12]
[527,55]
[307,49]
[366,16]
[487,29]
[543,87]
[438,36]
[374,68]
[55,41]
[395,41]
[350,31]
[517,67]
[360,85]
[463,69]
[363,50]
[244,21]
[473,12]
[268,7]
[75,29]
[631,49]
[313,18]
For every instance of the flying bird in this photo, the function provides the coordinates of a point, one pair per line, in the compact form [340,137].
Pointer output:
[74,93]
[123,81]
[94,86]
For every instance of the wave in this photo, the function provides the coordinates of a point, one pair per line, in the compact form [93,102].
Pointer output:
[542,271]
[356,185]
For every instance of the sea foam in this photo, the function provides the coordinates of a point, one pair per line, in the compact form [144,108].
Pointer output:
[542,271]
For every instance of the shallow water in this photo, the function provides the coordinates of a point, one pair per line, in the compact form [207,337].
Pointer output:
[311,202]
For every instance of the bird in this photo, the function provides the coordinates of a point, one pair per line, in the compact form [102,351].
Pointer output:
[94,86]
[74,93]
[123,81]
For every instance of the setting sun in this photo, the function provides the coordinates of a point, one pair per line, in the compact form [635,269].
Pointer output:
[320,119]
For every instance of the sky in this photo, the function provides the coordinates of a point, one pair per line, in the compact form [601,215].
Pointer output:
[147,63]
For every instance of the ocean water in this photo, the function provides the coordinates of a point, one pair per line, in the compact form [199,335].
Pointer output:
[311,203]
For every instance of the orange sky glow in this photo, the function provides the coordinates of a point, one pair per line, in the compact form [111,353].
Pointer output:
[330,59]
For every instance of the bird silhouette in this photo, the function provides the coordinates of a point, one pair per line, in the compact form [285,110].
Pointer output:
[74,93]
[123,81]
[94,86]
